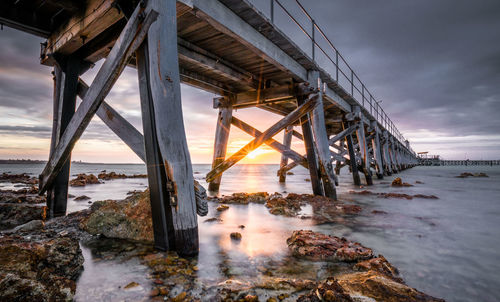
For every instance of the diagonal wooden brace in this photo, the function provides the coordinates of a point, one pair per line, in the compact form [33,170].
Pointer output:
[291,118]
[130,39]
[301,160]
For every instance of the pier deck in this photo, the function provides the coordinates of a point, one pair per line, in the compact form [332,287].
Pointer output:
[227,47]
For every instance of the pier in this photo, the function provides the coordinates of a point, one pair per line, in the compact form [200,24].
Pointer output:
[226,47]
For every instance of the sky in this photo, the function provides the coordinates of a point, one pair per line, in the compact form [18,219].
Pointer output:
[434,65]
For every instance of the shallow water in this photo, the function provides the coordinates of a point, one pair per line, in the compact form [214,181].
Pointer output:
[448,247]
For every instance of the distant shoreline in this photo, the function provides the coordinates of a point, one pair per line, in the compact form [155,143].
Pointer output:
[34,161]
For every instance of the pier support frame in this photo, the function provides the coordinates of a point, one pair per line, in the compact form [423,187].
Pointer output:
[352,157]
[287,141]
[377,150]
[363,149]
[385,152]
[221,137]
[66,73]
[321,139]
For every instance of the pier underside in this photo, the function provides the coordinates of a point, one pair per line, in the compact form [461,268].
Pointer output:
[223,46]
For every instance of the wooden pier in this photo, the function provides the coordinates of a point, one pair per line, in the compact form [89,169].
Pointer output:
[227,47]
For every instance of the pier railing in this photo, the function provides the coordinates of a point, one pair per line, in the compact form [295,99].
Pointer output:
[325,54]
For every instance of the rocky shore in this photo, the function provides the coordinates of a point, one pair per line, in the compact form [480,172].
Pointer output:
[42,260]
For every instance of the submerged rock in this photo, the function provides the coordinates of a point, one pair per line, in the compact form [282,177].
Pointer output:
[222,207]
[320,247]
[245,198]
[42,270]
[113,175]
[394,195]
[235,236]
[83,197]
[18,178]
[373,285]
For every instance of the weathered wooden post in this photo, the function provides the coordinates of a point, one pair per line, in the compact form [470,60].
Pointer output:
[363,148]
[162,73]
[321,139]
[287,141]
[221,136]
[66,72]
[385,152]
[352,158]
[377,150]
[392,155]
[309,143]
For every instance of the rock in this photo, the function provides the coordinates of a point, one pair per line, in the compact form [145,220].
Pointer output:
[222,207]
[329,291]
[84,179]
[381,265]
[425,196]
[241,226]
[18,178]
[307,179]
[468,174]
[14,214]
[419,182]
[398,182]
[83,197]
[393,195]
[251,298]
[235,236]
[319,247]
[27,227]
[289,173]
[379,212]
[245,198]
[289,206]
[39,270]
[131,285]
[113,175]
[126,219]
[213,219]
[376,286]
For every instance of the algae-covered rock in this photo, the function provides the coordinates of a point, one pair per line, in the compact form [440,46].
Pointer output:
[379,287]
[320,247]
[381,265]
[39,270]
[84,179]
[329,291]
[126,219]
[14,214]
[245,198]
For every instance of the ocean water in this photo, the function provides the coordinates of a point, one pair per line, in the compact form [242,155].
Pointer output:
[448,247]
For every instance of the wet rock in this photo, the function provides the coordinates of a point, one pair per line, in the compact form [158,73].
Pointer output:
[289,206]
[398,182]
[83,197]
[320,247]
[18,178]
[289,173]
[376,286]
[14,214]
[235,236]
[419,182]
[131,285]
[381,265]
[378,212]
[245,198]
[468,174]
[21,196]
[113,175]
[241,226]
[222,207]
[126,219]
[329,291]
[393,195]
[41,270]
[83,180]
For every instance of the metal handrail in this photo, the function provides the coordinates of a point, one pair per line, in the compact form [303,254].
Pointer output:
[367,100]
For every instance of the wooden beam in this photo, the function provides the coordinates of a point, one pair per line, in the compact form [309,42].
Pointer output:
[117,123]
[342,134]
[221,138]
[263,96]
[97,16]
[321,140]
[352,158]
[166,99]
[287,141]
[285,151]
[130,38]
[269,133]
[363,149]
[377,150]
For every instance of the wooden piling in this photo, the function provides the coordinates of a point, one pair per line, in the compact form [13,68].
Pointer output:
[287,141]
[377,150]
[363,149]
[221,137]
[352,158]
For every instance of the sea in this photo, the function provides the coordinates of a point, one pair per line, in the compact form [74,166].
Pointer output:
[447,247]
